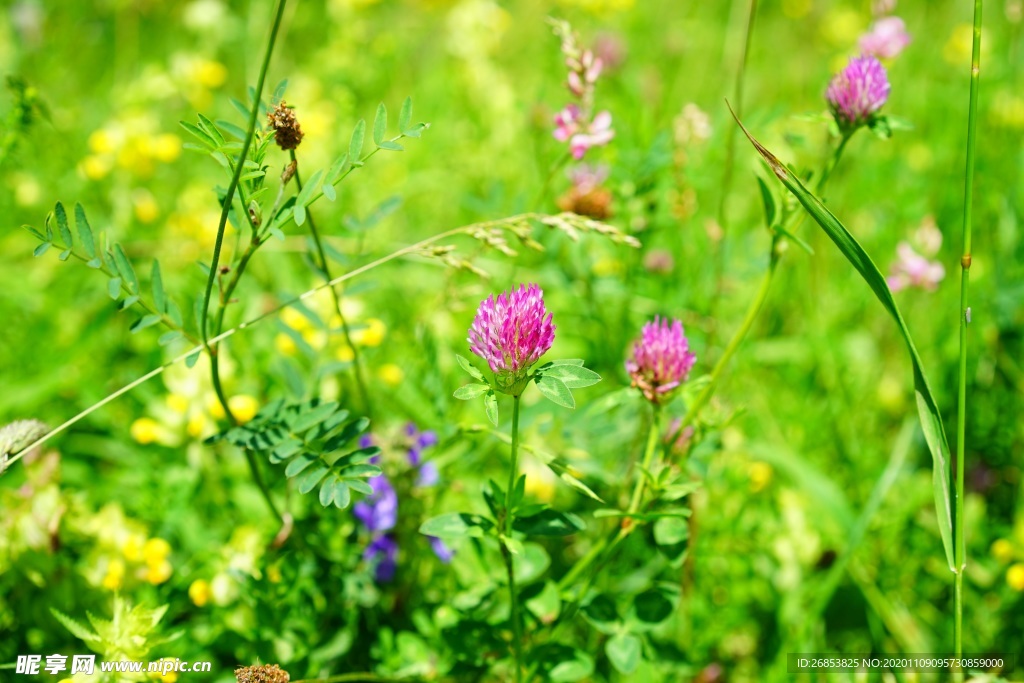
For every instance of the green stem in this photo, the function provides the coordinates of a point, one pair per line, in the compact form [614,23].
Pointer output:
[959,547]
[357,678]
[513,471]
[233,185]
[357,368]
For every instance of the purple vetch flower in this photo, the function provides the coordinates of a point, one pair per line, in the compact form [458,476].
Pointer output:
[379,511]
[857,92]
[661,359]
[511,332]
[443,552]
[886,38]
[382,553]
[428,474]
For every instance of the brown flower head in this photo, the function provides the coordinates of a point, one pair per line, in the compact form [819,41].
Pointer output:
[261,673]
[287,131]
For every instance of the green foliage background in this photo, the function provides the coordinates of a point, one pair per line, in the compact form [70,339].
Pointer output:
[802,428]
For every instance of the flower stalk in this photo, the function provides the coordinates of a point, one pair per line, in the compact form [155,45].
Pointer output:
[959,547]
[513,470]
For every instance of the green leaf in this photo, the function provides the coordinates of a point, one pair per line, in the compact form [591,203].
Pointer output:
[329,192]
[299,464]
[64,255]
[555,391]
[623,650]
[416,130]
[602,613]
[62,225]
[471,391]
[551,523]
[124,267]
[85,232]
[768,201]
[572,376]
[405,115]
[380,124]
[299,211]
[159,296]
[530,561]
[211,129]
[327,490]
[76,628]
[41,249]
[279,91]
[652,606]
[342,494]
[200,135]
[190,361]
[114,288]
[355,145]
[144,322]
[491,407]
[309,480]
[168,337]
[391,146]
[468,367]
[927,408]
[456,525]
[306,194]
[314,416]
[671,531]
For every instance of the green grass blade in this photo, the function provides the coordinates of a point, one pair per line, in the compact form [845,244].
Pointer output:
[928,411]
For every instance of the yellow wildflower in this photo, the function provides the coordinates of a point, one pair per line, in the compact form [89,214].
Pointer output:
[156,550]
[243,407]
[199,592]
[1002,550]
[211,74]
[285,344]
[146,208]
[372,334]
[133,548]
[345,353]
[145,430]
[159,572]
[177,403]
[95,167]
[115,574]
[760,475]
[166,147]
[1015,577]
[391,374]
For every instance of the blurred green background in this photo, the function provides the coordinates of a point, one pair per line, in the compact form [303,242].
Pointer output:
[801,430]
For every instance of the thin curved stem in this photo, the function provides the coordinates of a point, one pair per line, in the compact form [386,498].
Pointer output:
[357,368]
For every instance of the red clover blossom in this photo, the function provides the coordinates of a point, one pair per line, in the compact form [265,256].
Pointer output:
[661,359]
[511,332]
[857,92]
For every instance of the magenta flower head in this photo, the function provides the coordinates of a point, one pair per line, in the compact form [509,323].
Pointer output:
[857,92]
[661,359]
[511,332]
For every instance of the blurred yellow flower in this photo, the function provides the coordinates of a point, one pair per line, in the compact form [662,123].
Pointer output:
[1008,109]
[95,168]
[372,334]
[133,546]
[345,353]
[1015,577]
[196,425]
[210,74]
[1002,550]
[315,338]
[843,27]
[158,573]
[145,206]
[156,550]
[391,374]
[166,147]
[145,430]
[285,344]
[27,190]
[274,574]
[102,142]
[199,592]
[115,574]
[295,320]
[243,407]
[760,475]
[177,403]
